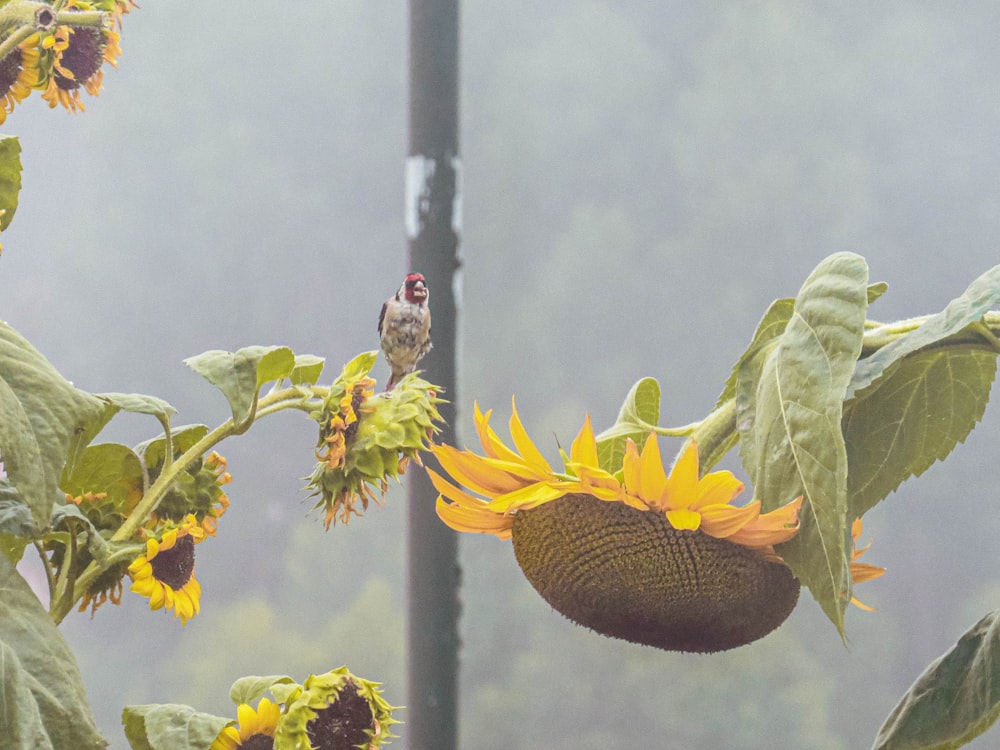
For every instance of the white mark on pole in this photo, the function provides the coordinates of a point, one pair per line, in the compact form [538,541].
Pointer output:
[419,173]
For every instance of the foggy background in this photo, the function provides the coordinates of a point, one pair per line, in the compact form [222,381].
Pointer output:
[641,180]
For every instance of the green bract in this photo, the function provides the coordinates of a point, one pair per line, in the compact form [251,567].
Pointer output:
[365,440]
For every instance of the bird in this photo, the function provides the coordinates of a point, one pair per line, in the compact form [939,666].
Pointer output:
[404,326]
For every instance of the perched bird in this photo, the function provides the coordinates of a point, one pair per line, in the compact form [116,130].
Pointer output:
[405,327]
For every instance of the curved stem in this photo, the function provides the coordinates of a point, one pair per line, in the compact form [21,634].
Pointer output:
[287,398]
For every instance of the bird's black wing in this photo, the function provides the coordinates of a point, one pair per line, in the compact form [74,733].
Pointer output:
[381,317]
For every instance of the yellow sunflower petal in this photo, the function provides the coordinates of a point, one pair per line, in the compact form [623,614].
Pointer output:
[157,596]
[474,471]
[529,497]
[717,487]
[861,572]
[653,481]
[583,450]
[681,487]
[683,519]
[227,739]
[493,446]
[772,528]
[529,452]
[723,520]
[268,714]
[473,519]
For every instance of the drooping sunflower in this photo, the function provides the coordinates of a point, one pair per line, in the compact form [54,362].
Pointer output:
[364,441]
[659,559]
[256,728]
[165,573]
[19,74]
[74,55]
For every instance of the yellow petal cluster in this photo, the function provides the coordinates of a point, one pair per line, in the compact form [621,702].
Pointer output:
[506,480]
[261,722]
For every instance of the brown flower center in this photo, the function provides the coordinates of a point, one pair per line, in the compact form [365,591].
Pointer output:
[83,57]
[257,741]
[346,723]
[629,574]
[174,566]
[10,68]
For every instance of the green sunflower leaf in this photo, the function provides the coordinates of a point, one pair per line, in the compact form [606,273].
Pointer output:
[982,295]
[181,438]
[921,407]
[307,369]
[110,468]
[639,414]
[40,414]
[10,178]
[956,699]
[170,726]
[789,407]
[249,690]
[769,330]
[140,403]
[240,375]
[44,702]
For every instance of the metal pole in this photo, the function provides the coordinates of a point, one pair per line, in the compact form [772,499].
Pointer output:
[433,219]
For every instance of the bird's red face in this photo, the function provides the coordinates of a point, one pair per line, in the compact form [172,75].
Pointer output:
[416,288]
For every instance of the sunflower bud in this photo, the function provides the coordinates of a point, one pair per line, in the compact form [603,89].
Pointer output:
[365,440]
[197,491]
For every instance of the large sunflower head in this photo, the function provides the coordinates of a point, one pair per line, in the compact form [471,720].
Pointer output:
[165,573]
[333,711]
[255,730]
[366,440]
[632,551]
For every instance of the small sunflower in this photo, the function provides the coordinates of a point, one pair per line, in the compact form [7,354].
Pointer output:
[660,559]
[165,573]
[256,728]
[336,710]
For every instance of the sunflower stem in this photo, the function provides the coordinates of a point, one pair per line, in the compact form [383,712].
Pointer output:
[49,571]
[715,435]
[287,398]
[11,43]
[62,602]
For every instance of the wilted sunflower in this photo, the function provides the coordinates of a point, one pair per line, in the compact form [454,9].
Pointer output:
[336,710]
[663,560]
[165,573]
[256,728]
[73,56]
[366,440]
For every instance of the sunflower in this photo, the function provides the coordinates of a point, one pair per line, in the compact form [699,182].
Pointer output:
[19,74]
[165,573]
[518,481]
[654,558]
[256,728]
[336,710]
[76,54]
[365,441]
